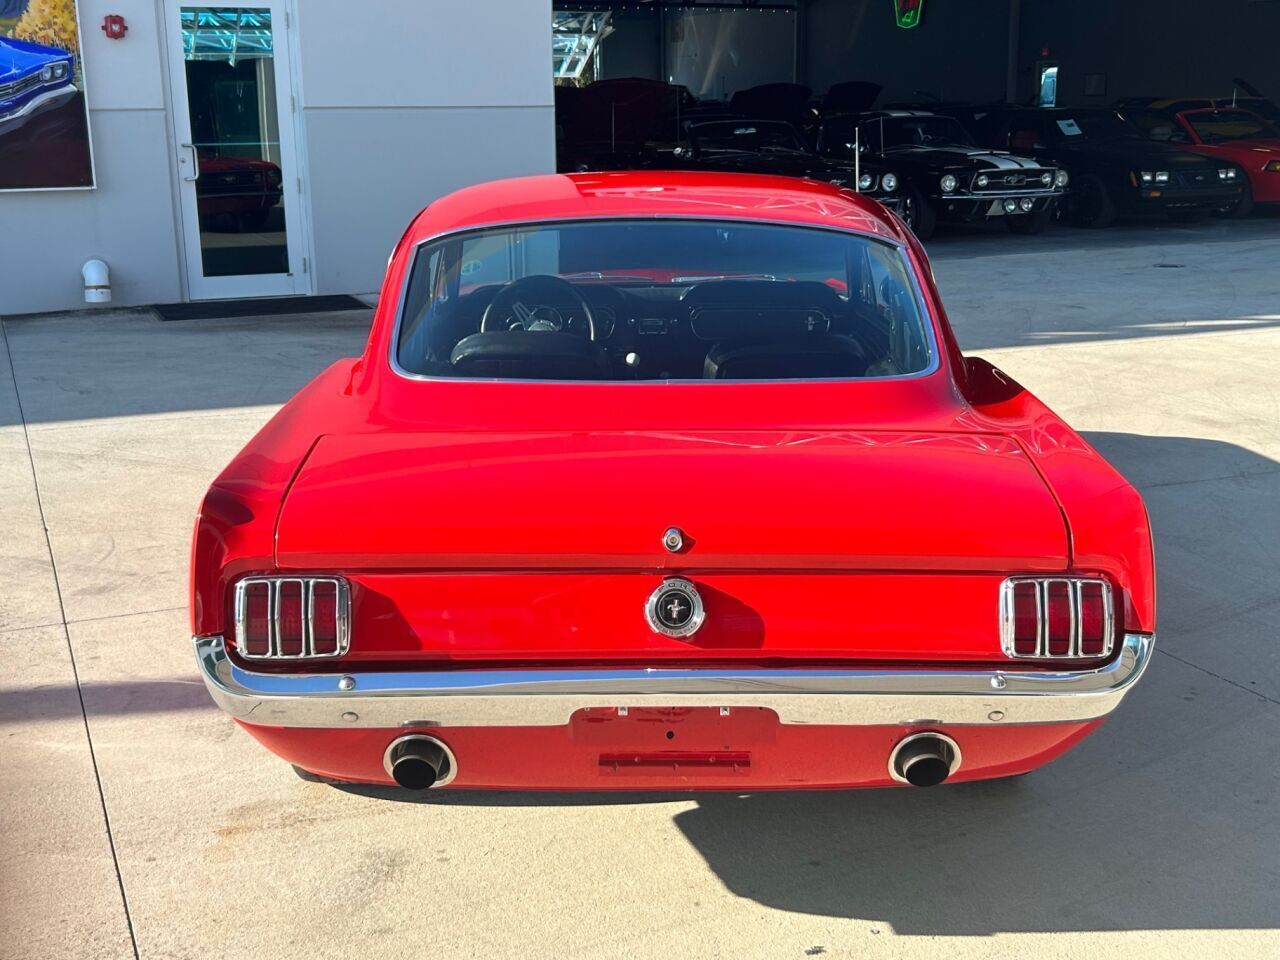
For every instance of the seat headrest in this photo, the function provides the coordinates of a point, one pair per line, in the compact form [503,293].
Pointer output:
[816,356]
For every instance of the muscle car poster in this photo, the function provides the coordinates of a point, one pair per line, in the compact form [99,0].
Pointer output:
[44,120]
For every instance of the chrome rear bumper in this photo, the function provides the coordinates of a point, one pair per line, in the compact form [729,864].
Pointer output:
[550,696]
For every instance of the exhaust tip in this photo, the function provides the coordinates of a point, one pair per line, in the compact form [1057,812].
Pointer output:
[924,759]
[418,762]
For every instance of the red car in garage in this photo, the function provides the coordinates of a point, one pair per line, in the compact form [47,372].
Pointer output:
[243,189]
[1239,138]
[662,480]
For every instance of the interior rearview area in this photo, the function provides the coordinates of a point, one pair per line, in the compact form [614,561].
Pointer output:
[661,300]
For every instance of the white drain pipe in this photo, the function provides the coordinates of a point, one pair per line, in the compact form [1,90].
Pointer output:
[97,282]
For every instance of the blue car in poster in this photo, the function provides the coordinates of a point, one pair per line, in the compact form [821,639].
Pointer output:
[33,78]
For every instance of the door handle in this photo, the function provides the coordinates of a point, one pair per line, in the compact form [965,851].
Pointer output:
[195,163]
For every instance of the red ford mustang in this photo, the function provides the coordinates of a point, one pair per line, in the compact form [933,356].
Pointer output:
[667,481]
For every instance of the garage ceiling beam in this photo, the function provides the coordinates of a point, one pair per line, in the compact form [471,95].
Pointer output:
[724,5]
[1015,36]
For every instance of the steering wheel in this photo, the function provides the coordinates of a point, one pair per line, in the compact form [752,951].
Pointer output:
[509,311]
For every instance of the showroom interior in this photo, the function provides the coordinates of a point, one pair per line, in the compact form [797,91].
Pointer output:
[358,151]
[979,50]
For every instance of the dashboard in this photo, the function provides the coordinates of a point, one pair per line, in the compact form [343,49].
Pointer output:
[668,330]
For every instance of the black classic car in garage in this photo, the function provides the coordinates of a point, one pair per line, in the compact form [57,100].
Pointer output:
[946,176]
[773,147]
[1114,169]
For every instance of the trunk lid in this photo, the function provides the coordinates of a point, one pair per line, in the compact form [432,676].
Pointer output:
[473,547]
[757,501]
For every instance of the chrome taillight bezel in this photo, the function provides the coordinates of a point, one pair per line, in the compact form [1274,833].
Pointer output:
[342,625]
[1075,649]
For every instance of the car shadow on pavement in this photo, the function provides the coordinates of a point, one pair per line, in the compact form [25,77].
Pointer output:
[103,698]
[129,363]
[1164,819]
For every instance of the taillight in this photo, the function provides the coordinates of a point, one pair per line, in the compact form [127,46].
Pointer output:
[253,615]
[1061,614]
[324,618]
[1056,618]
[291,636]
[1026,618]
[1095,619]
[292,617]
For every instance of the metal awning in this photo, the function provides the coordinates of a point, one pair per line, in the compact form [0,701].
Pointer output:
[575,37]
[227,35]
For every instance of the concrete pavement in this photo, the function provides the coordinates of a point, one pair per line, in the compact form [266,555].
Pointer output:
[134,818]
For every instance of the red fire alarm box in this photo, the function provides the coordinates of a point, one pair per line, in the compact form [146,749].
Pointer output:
[114,27]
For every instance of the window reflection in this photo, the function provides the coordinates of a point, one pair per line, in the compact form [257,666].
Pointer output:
[235,130]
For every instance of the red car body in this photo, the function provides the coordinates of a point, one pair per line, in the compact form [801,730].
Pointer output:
[243,188]
[1258,157]
[850,542]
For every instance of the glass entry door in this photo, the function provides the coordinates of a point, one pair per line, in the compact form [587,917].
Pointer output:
[236,151]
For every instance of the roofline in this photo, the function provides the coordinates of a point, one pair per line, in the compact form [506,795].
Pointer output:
[767,186]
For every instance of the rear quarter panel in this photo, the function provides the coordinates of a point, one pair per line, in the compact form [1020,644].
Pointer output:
[1109,529]
[235,528]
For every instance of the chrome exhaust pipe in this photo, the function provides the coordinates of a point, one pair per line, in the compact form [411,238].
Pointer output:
[418,762]
[924,759]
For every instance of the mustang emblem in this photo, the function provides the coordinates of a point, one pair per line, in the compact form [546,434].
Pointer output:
[675,609]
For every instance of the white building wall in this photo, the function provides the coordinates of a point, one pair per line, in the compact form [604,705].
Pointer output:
[129,220]
[400,102]
[405,102]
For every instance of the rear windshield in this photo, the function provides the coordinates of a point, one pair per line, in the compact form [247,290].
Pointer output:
[1220,126]
[661,300]
[929,131]
[739,135]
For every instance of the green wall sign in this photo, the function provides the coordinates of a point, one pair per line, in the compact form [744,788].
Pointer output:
[908,12]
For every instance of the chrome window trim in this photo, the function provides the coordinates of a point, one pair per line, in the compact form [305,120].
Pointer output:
[550,696]
[922,303]
[1076,641]
[342,606]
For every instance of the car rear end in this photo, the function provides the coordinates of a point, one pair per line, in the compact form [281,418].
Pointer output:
[513,637]
[420,575]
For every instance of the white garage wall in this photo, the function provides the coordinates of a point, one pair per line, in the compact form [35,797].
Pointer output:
[404,102]
[128,221]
